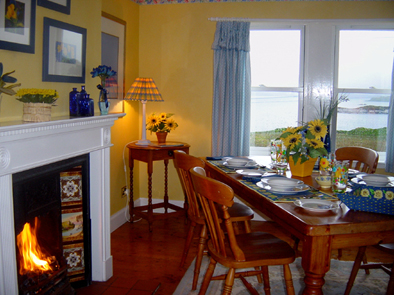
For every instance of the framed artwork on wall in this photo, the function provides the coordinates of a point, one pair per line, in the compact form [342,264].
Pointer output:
[63,6]
[64,52]
[17,25]
[112,54]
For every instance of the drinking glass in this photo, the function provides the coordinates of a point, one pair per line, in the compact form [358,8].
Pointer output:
[325,164]
[273,151]
[281,160]
[339,176]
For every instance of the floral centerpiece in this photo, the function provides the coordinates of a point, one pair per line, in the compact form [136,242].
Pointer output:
[305,142]
[37,103]
[161,123]
[103,72]
[327,107]
[6,78]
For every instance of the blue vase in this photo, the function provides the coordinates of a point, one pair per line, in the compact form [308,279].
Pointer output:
[327,140]
[73,97]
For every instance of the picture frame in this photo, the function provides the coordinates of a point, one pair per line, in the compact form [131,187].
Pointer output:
[64,52]
[18,25]
[63,6]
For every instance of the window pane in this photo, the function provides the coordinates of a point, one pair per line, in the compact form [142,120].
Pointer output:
[365,59]
[275,58]
[362,121]
[270,112]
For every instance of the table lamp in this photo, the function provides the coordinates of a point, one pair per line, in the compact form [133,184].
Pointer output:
[143,89]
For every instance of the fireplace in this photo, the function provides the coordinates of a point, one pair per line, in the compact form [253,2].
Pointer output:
[29,146]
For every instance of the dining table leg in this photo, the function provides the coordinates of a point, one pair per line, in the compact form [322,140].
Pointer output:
[316,255]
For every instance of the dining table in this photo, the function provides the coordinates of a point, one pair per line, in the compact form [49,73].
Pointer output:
[320,232]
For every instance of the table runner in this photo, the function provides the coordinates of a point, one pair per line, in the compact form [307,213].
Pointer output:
[250,182]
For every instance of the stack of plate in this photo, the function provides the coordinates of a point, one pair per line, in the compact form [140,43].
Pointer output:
[283,183]
[239,163]
[376,180]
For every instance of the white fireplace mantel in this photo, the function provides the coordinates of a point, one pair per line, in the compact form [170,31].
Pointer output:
[27,146]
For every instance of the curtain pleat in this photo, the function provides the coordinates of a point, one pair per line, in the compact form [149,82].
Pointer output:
[232,90]
[390,130]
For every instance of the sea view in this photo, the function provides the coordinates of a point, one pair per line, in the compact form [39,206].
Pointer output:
[280,111]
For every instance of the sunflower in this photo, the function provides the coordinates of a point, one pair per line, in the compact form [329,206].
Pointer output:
[389,195]
[292,140]
[171,124]
[324,163]
[365,193]
[317,128]
[163,116]
[378,194]
[315,143]
[153,120]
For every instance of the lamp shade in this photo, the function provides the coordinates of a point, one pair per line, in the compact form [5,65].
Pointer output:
[143,89]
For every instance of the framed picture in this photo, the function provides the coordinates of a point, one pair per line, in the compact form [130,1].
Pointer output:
[58,5]
[112,54]
[17,25]
[64,52]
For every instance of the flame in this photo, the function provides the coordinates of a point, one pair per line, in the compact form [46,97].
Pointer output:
[32,259]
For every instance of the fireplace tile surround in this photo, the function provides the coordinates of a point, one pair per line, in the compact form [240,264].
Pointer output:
[27,146]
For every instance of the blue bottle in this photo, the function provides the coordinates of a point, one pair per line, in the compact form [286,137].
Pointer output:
[91,105]
[74,102]
[83,105]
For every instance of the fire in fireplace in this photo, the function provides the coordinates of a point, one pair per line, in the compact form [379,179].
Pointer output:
[52,227]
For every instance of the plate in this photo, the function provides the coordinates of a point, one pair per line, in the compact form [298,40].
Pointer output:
[359,180]
[283,183]
[316,205]
[300,189]
[250,172]
[250,165]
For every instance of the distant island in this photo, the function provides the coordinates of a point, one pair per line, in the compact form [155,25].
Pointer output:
[365,110]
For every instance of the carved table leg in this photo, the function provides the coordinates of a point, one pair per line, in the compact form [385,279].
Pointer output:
[131,201]
[316,253]
[165,186]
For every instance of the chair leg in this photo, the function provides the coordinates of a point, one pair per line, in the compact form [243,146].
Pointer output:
[200,254]
[365,261]
[288,280]
[258,276]
[339,254]
[188,241]
[266,279]
[356,266]
[229,282]
[207,277]
[390,287]
[248,228]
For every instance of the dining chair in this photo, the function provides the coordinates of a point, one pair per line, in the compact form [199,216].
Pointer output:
[256,250]
[360,158]
[239,212]
[388,268]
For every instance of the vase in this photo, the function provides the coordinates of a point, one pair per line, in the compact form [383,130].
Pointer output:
[36,112]
[73,102]
[103,102]
[327,140]
[161,137]
[302,170]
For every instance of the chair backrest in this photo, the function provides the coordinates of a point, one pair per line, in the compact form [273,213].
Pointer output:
[360,158]
[212,195]
[183,163]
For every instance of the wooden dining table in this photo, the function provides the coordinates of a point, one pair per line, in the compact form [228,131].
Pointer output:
[319,232]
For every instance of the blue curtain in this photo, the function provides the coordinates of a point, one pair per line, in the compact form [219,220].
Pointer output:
[232,89]
[390,131]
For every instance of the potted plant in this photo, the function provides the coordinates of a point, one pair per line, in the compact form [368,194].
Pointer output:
[304,145]
[161,124]
[37,103]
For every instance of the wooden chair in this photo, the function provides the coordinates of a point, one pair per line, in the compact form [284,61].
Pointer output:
[388,268]
[239,212]
[360,158]
[255,250]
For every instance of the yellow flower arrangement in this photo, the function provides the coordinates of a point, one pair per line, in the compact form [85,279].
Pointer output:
[305,141]
[37,95]
[161,123]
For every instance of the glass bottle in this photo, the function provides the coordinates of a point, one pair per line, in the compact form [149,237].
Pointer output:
[73,97]
[91,105]
[83,105]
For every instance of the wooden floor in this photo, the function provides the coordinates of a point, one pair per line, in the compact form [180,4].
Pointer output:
[148,262]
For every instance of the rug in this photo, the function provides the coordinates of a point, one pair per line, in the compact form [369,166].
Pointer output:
[335,280]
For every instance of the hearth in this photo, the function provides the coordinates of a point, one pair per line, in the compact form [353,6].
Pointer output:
[29,146]
[52,227]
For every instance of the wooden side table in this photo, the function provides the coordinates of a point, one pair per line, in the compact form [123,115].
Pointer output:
[148,154]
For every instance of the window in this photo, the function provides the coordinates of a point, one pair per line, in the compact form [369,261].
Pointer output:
[276,62]
[325,58]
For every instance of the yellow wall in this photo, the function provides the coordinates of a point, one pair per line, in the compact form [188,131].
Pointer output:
[175,49]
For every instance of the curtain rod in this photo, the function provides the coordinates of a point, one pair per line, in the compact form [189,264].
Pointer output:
[228,19]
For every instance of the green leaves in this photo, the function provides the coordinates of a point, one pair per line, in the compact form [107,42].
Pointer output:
[6,78]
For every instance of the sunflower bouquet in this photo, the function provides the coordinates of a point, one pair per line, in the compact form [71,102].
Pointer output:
[161,123]
[305,142]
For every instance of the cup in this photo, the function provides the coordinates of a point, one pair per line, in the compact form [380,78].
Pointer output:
[325,164]
[273,151]
[280,157]
[339,176]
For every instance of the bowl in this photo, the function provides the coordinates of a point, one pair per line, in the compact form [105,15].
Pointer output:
[324,181]
[283,183]
[376,180]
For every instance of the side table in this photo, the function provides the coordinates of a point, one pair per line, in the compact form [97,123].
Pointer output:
[148,154]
